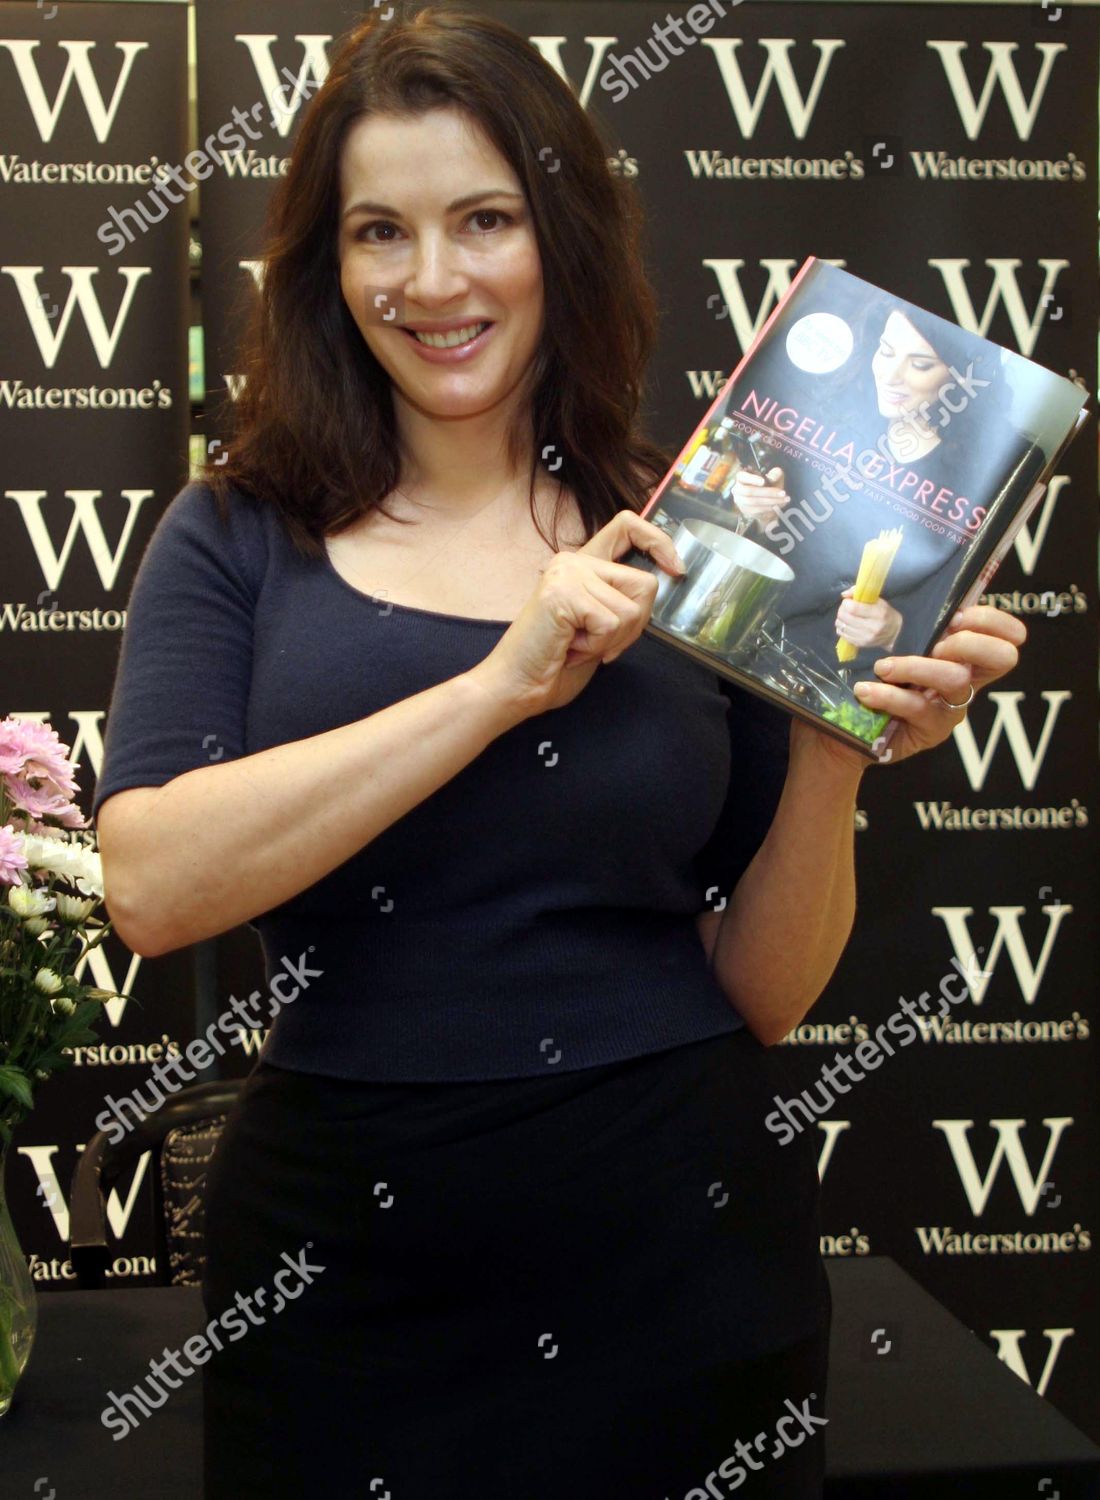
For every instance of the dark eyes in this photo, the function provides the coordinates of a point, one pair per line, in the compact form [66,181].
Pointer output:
[363,232]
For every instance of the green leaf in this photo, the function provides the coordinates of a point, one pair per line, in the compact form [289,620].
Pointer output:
[15,1084]
[71,1035]
[83,1038]
[51,1060]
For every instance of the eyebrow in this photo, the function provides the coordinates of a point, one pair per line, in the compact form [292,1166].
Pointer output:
[363,207]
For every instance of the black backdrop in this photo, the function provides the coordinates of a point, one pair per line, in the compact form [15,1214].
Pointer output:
[948,153]
[94,420]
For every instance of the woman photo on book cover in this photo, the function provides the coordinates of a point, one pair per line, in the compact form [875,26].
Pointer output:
[914,394]
[528,862]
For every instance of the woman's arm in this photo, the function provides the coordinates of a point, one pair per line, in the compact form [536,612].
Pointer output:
[775,945]
[221,844]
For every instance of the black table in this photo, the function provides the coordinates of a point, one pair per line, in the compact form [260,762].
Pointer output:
[934,1414]
[938,1414]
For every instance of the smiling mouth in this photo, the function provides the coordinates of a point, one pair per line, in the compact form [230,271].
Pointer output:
[453,340]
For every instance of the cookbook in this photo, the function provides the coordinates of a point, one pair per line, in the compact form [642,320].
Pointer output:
[858,478]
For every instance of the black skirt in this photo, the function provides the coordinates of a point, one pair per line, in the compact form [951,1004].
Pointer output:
[599,1283]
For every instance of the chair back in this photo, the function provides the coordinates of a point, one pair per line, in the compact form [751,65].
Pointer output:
[181,1135]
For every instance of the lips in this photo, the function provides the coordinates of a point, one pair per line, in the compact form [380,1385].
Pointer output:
[456,353]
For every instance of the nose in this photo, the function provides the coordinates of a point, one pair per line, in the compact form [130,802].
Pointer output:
[892,371]
[437,274]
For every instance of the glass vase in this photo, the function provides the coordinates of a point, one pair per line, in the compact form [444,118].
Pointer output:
[18,1298]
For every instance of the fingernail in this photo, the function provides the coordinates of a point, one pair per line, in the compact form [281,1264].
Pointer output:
[677,564]
[861,689]
[956,619]
[884,664]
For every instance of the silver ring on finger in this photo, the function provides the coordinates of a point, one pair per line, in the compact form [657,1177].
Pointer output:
[942,701]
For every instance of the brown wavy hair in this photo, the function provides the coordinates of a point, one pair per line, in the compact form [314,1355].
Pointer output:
[313,431]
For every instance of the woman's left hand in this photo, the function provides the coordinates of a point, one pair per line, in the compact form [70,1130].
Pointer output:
[980,645]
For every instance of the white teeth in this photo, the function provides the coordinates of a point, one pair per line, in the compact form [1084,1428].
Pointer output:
[449,340]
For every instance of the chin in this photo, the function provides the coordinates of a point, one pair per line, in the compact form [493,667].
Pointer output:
[467,404]
[889,408]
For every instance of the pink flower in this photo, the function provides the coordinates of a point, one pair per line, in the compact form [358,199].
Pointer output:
[12,857]
[44,801]
[36,773]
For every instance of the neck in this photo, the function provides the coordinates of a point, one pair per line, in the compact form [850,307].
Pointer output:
[456,466]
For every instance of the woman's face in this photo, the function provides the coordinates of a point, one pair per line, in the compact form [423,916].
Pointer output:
[410,253]
[907,370]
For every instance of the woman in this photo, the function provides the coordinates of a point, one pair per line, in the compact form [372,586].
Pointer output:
[915,394]
[509,1126]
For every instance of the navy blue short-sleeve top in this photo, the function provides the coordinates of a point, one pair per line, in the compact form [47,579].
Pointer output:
[537,911]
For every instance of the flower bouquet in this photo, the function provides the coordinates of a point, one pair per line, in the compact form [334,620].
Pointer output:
[51,883]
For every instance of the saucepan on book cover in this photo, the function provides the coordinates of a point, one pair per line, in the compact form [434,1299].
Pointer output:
[730,585]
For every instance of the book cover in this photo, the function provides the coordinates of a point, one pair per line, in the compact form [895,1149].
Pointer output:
[858,479]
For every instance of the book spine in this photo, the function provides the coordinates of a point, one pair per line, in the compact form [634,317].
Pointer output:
[997,556]
[966,593]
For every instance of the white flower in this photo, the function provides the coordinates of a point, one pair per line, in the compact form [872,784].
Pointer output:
[73,909]
[30,901]
[61,1005]
[73,861]
[48,981]
[36,926]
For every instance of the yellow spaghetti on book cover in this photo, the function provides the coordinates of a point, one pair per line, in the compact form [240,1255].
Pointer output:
[878,554]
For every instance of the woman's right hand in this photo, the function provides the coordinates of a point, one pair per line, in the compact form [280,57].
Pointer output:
[760,497]
[587,609]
